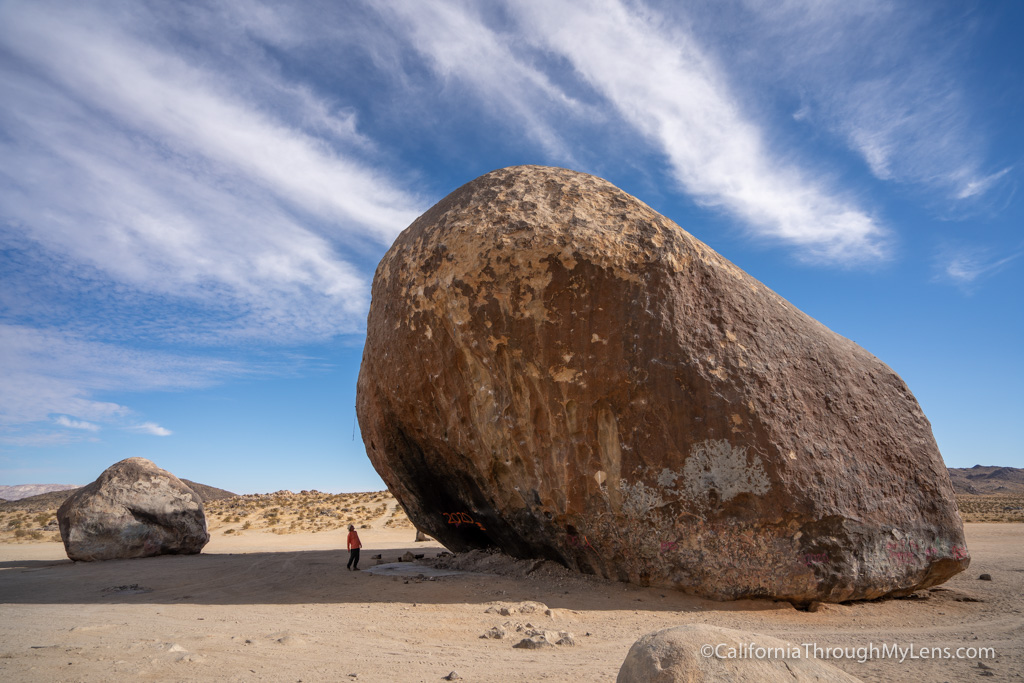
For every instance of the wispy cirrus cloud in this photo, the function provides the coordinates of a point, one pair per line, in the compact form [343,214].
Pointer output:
[659,82]
[964,265]
[884,77]
[52,379]
[165,176]
[158,184]
[504,76]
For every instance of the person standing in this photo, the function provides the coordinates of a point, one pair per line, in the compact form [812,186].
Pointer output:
[354,544]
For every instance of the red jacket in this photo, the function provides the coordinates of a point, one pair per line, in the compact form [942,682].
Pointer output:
[353,540]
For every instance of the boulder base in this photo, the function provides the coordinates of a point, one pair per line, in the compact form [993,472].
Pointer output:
[134,509]
[553,368]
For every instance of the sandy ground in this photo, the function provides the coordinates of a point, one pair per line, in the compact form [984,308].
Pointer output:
[283,608]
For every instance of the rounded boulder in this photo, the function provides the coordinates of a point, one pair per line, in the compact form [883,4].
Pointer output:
[554,369]
[133,509]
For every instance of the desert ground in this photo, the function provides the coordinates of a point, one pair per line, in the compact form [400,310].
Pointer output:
[273,601]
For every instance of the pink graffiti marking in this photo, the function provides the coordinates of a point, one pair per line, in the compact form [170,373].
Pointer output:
[815,558]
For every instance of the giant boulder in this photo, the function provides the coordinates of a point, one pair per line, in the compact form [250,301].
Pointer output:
[553,368]
[134,509]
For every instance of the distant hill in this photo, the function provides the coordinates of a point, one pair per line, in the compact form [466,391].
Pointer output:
[208,493]
[25,490]
[986,480]
[58,493]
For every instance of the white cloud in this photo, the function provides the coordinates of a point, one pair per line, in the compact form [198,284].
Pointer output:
[50,372]
[65,421]
[462,46]
[663,83]
[965,265]
[151,428]
[169,177]
[980,186]
[882,76]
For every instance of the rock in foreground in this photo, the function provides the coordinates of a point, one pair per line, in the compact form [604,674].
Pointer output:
[555,369]
[134,509]
[698,652]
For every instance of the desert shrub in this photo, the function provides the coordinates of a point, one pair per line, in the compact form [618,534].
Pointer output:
[247,525]
[20,533]
[228,531]
[36,535]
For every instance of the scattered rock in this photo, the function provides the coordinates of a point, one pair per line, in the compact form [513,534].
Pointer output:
[134,509]
[533,643]
[611,392]
[985,577]
[531,607]
[128,589]
[453,676]
[495,632]
[421,537]
[407,557]
[687,653]
[534,637]
[289,640]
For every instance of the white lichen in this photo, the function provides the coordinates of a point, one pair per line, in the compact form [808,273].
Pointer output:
[718,465]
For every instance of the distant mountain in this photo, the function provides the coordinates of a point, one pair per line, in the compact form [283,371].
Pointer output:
[53,495]
[25,490]
[987,480]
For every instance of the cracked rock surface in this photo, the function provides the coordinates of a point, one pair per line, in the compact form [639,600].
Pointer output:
[554,369]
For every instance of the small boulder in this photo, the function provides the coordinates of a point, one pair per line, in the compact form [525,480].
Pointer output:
[533,643]
[134,509]
[495,633]
[698,652]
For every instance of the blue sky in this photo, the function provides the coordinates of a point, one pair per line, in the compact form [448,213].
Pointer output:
[194,196]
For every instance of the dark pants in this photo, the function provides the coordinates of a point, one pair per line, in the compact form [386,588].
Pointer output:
[353,559]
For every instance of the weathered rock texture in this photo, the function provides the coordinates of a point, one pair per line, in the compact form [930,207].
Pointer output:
[553,368]
[134,509]
[675,655]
